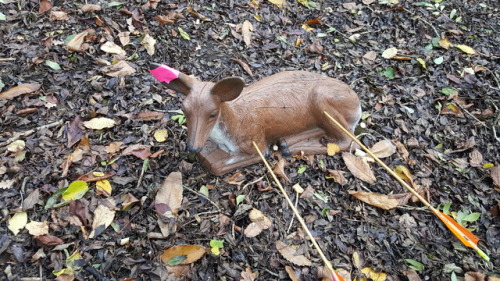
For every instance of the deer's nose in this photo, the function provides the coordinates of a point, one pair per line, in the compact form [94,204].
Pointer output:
[194,149]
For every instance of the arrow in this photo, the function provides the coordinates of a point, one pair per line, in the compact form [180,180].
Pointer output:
[463,234]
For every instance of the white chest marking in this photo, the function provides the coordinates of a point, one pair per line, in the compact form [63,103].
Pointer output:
[220,137]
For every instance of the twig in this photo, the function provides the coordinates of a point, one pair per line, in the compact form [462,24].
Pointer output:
[327,263]
[7,59]
[203,195]
[29,132]
[435,30]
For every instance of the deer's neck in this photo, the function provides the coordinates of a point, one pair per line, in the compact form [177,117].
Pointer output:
[221,133]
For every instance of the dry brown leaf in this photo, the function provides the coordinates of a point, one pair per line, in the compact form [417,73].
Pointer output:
[279,170]
[444,43]
[192,253]
[337,175]
[90,8]
[114,147]
[124,37]
[412,275]
[383,149]
[170,192]
[258,217]
[111,48]
[292,274]
[103,217]
[121,68]
[404,173]
[248,275]
[371,56]
[495,175]
[45,6]
[476,158]
[36,228]
[244,66]
[359,168]
[252,230]
[49,240]
[19,90]
[149,43]
[58,15]
[76,44]
[376,199]
[180,270]
[474,276]
[289,253]
[138,150]
[278,3]
[246,31]
[99,123]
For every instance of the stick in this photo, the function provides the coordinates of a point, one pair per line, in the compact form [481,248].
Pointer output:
[328,265]
[454,227]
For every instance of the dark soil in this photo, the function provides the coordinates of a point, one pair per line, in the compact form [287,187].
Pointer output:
[445,139]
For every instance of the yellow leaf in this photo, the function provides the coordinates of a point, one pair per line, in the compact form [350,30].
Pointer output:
[278,3]
[488,165]
[304,3]
[104,186]
[444,43]
[422,63]
[67,271]
[98,174]
[373,275]
[404,173]
[99,123]
[215,250]
[332,149]
[466,49]
[161,135]
[307,28]
[17,222]
[75,191]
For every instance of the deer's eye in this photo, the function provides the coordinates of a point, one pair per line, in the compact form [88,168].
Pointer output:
[213,114]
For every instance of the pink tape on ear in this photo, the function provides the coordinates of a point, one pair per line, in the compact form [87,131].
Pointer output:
[164,73]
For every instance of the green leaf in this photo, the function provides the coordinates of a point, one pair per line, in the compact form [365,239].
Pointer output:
[453,276]
[217,243]
[1,85]
[204,190]
[183,33]
[438,60]
[145,165]
[448,91]
[415,265]
[53,199]
[388,72]
[321,196]
[472,217]
[69,38]
[52,64]
[301,169]
[446,208]
[2,16]
[304,3]
[422,63]
[176,260]
[75,191]
[240,199]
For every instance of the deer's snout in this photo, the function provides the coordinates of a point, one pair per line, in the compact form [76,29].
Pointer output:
[194,149]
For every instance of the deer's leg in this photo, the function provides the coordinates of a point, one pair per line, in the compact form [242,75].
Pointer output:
[308,142]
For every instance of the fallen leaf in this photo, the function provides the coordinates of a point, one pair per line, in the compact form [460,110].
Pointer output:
[45,6]
[359,168]
[243,65]
[103,217]
[6,184]
[124,37]
[404,173]
[148,115]
[170,193]
[475,276]
[316,47]
[337,176]
[76,190]
[103,187]
[58,15]
[16,146]
[444,43]
[252,230]
[476,158]
[248,275]
[90,8]
[114,147]
[390,53]
[371,55]
[376,199]
[383,149]
[246,32]
[36,228]
[191,252]
[373,275]
[292,273]
[332,149]
[99,123]
[74,131]
[76,44]
[422,63]
[17,222]
[289,253]
[279,170]
[138,150]
[161,135]
[451,108]
[198,15]
[49,240]
[111,48]
[495,175]
[278,3]
[466,49]
[119,69]
[183,33]
[179,271]
[19,90]
[149,43]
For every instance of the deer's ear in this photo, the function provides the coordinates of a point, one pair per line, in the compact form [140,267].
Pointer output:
[228,88]
[171,78]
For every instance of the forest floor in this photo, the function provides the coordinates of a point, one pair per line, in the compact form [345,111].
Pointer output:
[427,76]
